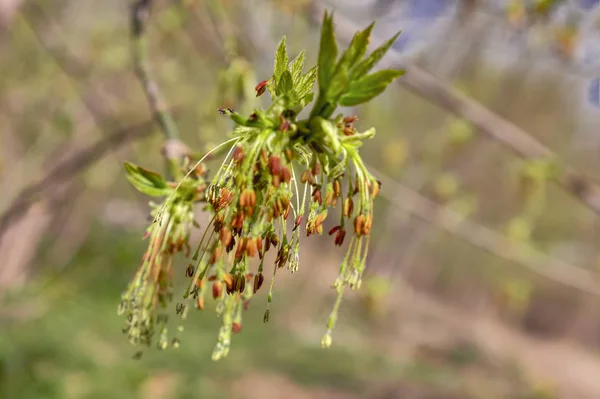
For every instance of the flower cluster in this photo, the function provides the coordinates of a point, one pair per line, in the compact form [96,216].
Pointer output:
[281,175]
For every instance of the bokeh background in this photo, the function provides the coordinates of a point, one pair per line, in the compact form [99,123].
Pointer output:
[474,289]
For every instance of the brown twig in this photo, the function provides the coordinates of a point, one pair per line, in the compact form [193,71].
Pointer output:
[70,167]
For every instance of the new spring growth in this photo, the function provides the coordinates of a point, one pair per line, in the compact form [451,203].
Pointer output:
[283,173]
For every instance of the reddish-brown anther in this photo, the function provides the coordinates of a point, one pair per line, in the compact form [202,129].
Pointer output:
[284,124]
[238,221]
[230,246]
[246,304]
[368,224]
[217,252]
[241,248]
[337,188]
[200,303]
[350,119]
[286,175]
[359,224]
[217,289]
[339,237]
[320,218]
[236,327]
[264,158]
[260,88]
[348,207]
[276,181]
[240,283]
[298,221]
[200,283]
[250,247]
[238,155]
[375,187]
[249,277]
[275,165]
[258,281]
[306,177]
[329,198]
[228,280]
[334,229]
[146,235]
[248,198]
[289,155]
[317,196]
[225,236]
[316,169]
[349,131]
[212,278]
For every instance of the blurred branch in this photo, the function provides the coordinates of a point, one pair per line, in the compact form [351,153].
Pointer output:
[69,168]
[443,95]
[173,149]
[487,239]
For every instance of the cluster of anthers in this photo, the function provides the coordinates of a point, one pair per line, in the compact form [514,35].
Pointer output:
[281,174]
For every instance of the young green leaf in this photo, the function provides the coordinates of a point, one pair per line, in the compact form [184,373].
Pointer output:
[296,67]
[146,181]
[363,67]
[285,84]
[281,61]
[306,82]
[339,86]
[367,87]
[356,50]
[327,52]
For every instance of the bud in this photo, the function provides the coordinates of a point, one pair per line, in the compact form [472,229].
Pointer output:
[260,88]
[217,289]
[258,281]
[225,236]
[236,327]
[317,196]
[348,207]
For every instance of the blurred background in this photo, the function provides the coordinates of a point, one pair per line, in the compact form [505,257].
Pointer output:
[482,278]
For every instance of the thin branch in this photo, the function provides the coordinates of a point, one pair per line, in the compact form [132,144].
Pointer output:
[68,168]
[487,239]
[173,149]
[487,122]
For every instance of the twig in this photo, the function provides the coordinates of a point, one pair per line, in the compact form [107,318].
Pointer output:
[173,149]
[69,168]
[485,121]
[487,239]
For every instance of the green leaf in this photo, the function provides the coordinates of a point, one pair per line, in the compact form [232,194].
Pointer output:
[327,52]
[362,68]
[296,67]
[358,48]
[306,82]
[281,61]
[338,87]
[368,87]
[285,84]
[146,181]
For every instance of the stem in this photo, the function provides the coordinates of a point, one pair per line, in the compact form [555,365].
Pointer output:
[173,148]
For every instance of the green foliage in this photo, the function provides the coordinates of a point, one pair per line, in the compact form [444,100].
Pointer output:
[146,181]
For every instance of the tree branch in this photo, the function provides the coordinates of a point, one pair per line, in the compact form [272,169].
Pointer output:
[173,149]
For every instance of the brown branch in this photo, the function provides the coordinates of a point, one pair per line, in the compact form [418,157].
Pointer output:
[67,169]
[487,122]
[487,239]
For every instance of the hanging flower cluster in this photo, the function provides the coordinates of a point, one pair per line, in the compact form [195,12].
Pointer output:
[282,176]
